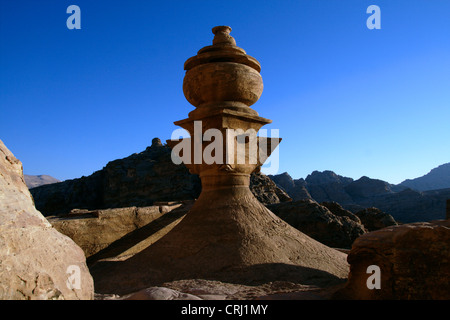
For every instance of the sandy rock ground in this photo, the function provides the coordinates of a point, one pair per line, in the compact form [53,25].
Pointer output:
[199,289]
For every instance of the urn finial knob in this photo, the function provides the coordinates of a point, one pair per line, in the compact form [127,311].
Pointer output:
[222,36]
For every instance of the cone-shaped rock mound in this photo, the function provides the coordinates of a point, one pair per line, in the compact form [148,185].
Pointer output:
[220,240]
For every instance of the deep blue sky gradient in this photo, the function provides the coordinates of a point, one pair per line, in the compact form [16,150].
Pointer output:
[345,98]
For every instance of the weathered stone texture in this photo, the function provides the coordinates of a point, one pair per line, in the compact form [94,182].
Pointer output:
[413,260]
[228,234]
[95,230]
[34,256]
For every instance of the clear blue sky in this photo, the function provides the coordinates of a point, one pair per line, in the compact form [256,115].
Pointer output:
[345,98]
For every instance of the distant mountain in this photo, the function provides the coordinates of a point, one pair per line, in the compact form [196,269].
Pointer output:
[438,178]
[39,180]
[295,188]
[400,201]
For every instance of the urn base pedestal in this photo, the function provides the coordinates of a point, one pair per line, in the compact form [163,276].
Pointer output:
[228,236]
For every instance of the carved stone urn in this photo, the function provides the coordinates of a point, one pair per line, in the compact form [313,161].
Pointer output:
[228,234]
[222,76]
[222,82]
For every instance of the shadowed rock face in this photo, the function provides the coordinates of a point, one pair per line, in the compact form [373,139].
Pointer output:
[296,189]
[34,256]
[403,204]
[137,180]
[374,219]
[317,221]
[265,190]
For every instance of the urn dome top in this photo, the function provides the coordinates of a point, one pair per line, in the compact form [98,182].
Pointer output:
[223,49]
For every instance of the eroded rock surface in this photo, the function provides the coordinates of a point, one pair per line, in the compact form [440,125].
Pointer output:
[96,230]
[34,257]
[413,260]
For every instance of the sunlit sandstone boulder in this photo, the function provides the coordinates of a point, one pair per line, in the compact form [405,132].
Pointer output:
[413,261]
[36,261]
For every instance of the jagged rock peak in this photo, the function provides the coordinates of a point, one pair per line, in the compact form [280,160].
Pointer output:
[283,179]
[327,176]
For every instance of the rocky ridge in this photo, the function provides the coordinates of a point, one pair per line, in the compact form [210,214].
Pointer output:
[437,178]
[402,203]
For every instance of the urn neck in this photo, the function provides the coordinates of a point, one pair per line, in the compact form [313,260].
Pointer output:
[224,181]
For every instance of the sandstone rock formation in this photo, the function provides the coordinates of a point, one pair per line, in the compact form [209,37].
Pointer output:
[120,232]
[318,222]
[413,260]
[227,234]
[34,257]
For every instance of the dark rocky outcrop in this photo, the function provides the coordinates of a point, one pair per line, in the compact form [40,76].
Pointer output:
[337,210]
[296,189]
[138,180]
[403,204]
[409,205]
[82,193]
[265,190]
[366,187]
[375,219]
[326,177]
[328,186]
[318,222]
[146,177]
